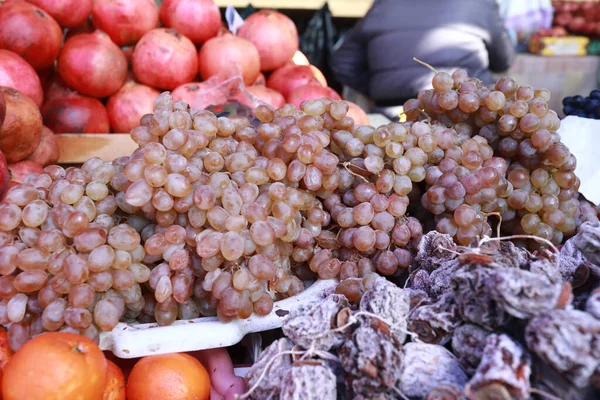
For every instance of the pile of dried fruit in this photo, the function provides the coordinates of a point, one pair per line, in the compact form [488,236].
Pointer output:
[489,322]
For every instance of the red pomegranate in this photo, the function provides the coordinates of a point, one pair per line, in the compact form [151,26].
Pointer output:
[86,27]
[129,104]
[16,73]
[265,95]
[290,77]
[274,35]
[68,13]
[318,75]
[4,175]
[165,59]
[30,32]
[76,114]
[19,170]
[199,95]
[47,151]
[56,88]
[125,21]
[92,64]
[231,54]
[311,91]
[359,116]
[2,109]
[22,128]
[199,20]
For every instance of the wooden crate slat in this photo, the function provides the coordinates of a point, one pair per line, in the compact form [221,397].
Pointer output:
[77,148]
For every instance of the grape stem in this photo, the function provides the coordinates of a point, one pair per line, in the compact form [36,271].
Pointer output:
[425,64]
[486,239]
[499,223]
[399,393]
[345,165]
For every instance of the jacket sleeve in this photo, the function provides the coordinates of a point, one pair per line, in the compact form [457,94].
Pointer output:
[349,63]
[501,49]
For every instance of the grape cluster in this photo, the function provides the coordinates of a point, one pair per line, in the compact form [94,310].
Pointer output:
[584,107]
[225,215]
[504,157]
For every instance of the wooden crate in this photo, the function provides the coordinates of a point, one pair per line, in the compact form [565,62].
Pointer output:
[76,148]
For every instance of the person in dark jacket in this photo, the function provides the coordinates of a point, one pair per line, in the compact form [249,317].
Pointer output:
[376,56]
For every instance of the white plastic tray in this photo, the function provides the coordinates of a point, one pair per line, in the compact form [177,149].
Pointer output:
[139,340]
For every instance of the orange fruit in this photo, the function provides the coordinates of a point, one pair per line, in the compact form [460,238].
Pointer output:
[56,366]
[5,351]
[175,376]
[115,382]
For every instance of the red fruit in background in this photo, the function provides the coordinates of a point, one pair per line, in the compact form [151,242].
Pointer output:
[30,32]
[21,131]
[19,170]
[199,95]
[92,64]
[4,175]
[125,21]
[274,35]
[287,79]
[16,73]
[47,151]
[229,53]
[198,20]
[266,95]
[311,91]
[76,114]
[2,109]
[318,75]
[563,19]
[68,13]
[357,114]
[129,104]
[56,88]
[165,59]
[86,27]
[577,24]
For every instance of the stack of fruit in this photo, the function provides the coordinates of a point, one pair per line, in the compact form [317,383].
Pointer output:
[578,17]
[584,107]
[114,59]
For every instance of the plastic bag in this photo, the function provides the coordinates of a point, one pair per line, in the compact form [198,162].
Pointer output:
[318,40]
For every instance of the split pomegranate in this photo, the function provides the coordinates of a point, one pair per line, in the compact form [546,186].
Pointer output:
[274,35]
[2,109]
[16,73]
[311,91]
[19,170]
[56,88]
[290,77]
[129,104]
[30,32]
[68,13]
[165,59]
[76,114]
[318,75]
[4,174]
[125,21]
[47,151]
[229,54]
[21,131]
[199,95]
[357,114]
[266,95]
[92,64]
[199,20]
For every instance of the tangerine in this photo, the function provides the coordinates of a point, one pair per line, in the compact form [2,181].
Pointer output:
[56,366]
[174,376]
[115,382]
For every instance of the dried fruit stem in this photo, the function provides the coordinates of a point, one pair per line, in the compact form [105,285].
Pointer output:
[544,394]
[536,238]
[345,165]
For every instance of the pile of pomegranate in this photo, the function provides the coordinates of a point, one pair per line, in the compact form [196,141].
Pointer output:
[97,66]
